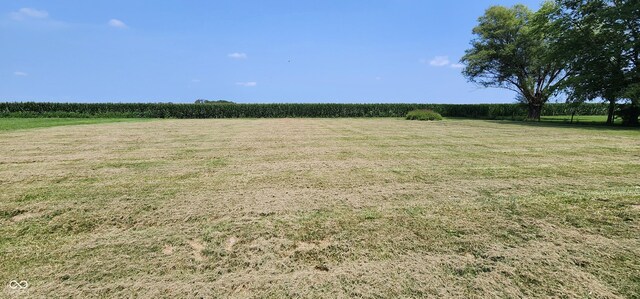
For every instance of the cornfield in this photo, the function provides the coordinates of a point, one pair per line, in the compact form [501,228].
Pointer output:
[168,110]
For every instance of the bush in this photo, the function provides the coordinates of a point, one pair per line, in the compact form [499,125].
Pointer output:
[423,114]
[629,114]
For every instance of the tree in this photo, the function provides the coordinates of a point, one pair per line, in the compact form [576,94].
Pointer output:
[511,50]
[218,102]
[599,40]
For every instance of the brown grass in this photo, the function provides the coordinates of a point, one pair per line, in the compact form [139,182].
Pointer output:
[317,208]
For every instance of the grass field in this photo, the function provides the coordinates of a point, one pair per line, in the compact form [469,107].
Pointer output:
[10,124]
[580,119]
[340,208]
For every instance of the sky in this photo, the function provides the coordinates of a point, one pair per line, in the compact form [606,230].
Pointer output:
[246,51]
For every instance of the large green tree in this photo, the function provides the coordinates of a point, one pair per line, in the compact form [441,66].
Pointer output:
[599,40]
[511,50]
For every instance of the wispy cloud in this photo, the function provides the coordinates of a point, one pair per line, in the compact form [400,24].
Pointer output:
[29,13]
[38,18]
[457,65]
[439,61]
[237,55]
[196,80]
[20,74]
[247,84]
[117,24]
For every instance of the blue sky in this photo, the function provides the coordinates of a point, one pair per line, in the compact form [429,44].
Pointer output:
[244,51]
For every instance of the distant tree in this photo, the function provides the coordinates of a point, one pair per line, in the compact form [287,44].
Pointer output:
[203,101]
[600,41]
[511,50]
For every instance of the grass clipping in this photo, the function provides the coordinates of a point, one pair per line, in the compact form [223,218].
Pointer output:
[317,208]
[423,114]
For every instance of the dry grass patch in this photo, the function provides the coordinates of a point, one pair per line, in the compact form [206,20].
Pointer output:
[321,208]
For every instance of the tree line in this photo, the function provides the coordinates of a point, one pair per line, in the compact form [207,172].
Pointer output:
[583,50]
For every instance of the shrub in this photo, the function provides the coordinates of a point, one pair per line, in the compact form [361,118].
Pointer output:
[629,114]
[423,114]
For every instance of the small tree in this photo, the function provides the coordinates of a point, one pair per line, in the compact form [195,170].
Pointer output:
[511,50]
[630,112]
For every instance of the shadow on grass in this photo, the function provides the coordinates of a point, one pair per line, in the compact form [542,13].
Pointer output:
[575,125]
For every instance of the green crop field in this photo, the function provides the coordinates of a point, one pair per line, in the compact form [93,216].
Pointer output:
[7,124]
[319,208]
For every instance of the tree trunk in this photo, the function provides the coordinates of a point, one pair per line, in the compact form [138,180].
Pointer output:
[612,108]
[534,111]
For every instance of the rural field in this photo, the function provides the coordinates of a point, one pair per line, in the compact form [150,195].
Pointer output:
[331,208]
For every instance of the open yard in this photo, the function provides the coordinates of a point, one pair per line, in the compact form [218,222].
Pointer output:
[344,208]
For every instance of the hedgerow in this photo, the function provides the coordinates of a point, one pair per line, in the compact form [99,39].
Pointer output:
[167,110]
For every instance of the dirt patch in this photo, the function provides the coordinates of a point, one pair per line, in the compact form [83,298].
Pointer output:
[167,250]
[197,247]
[229,245]
[305,246]
[25,216]
[308,246]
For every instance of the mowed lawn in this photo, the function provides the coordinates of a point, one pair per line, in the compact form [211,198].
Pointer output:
[10,124]
[324,208]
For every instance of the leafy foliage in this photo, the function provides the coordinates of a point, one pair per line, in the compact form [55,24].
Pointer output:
[423,114]
[219,102]
[600,40]
[629,114]
[511,50]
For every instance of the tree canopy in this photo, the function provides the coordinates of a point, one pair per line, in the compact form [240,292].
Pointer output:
[599,41]
[512,50]
[588,49]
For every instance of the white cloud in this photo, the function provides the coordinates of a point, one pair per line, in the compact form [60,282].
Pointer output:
[26,13]
[439,61]
[237,55]
[457,65]
[117,24]
[247,84]
[21,74]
